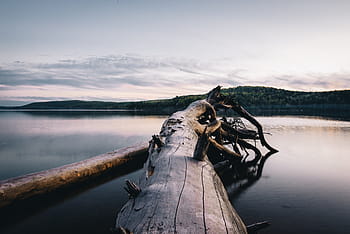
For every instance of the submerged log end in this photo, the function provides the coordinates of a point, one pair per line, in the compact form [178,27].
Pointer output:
[254,228]
[121,230]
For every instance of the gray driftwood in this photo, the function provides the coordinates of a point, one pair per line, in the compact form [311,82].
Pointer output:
[45,181]
[180,190]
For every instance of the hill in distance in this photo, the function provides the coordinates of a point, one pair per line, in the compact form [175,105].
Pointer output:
[247,96]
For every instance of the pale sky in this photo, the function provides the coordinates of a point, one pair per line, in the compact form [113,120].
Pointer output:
[116,50]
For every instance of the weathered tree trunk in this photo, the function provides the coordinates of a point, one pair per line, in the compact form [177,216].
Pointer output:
[26,186]
[180,191]
[180,194]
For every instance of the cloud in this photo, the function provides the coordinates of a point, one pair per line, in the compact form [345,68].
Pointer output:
[313,81]
[133,77]
[105,72]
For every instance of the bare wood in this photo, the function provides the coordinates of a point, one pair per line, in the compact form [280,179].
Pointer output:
[224,149]
[239,132]
[132,189]
[182,195]
[240,110]
[243,144]
[26,186]
[226,102]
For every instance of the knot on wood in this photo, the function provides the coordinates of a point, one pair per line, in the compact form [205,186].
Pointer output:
[132,189]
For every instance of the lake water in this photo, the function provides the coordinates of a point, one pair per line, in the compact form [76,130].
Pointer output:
[304,187]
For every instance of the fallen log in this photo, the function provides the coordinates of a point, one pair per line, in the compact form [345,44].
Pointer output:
[29,185]
[180,191]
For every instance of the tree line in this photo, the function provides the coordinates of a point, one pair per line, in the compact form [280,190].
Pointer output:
[244,95]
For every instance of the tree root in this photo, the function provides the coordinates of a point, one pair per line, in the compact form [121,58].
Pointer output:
[219,133]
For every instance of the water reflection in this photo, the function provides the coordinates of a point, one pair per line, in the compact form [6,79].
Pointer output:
[243,175]
[82,113]
[33,142]
[29,143]
[61,123]
[14,214]
[305,184]
[336,112]
[302,189]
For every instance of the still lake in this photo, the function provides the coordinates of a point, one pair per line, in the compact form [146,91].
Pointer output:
[304,188]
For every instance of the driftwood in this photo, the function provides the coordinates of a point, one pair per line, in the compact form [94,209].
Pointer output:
[26,186]
[180,191]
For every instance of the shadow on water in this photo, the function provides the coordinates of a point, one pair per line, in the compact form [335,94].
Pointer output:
[243,175]
[21,210]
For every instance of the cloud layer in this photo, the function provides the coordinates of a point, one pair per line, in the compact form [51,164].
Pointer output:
[132,77]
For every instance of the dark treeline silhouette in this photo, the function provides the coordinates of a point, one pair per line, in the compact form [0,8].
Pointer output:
[254,98]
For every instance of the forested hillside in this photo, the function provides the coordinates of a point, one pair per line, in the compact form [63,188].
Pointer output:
[247,96]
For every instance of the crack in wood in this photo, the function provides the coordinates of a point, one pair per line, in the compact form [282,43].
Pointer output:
[182,189]
[158,192]
[171,199]
[165,185]
[202,179]
[222,211]
[149,224]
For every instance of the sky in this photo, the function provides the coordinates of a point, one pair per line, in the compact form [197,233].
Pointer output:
[125,50]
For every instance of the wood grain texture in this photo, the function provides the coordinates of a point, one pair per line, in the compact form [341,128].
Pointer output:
[182,194]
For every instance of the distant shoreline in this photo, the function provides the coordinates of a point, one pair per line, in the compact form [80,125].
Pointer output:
[308,106]
[58,109]
[254,98]
[332,111]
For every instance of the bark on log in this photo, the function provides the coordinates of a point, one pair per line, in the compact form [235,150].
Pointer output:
[26,186]
[181,194]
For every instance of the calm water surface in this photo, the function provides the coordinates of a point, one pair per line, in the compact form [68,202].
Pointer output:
[303,189]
